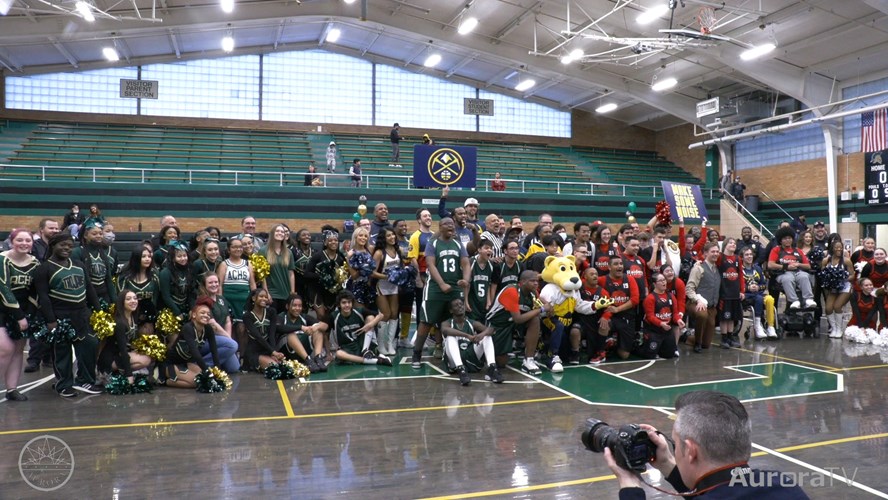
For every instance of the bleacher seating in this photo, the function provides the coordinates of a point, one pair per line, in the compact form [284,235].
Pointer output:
[639,167]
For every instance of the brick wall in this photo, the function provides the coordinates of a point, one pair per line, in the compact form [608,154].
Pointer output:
[593,130]
[673,144]
[804,179]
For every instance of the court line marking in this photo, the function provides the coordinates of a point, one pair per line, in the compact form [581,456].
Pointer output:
[850,368]
[777,356]
[518,489]
[572,395]
[280,417]
[310,381]
[454,379]
[283,391]
[648,365]
[29,386]
[777,453]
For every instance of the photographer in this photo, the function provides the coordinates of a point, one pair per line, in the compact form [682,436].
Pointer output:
[711,451]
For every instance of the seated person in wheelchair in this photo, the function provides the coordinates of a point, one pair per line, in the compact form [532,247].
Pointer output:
[757,295]
[790,268]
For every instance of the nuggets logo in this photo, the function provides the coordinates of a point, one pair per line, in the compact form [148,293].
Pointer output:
[446,166]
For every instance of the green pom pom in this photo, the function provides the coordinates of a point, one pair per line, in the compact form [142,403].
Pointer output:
[279,371]
[207,383]
[141,384]
[118,385]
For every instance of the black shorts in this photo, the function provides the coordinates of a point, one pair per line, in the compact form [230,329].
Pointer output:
[655,344]
[730,310]
[624,329]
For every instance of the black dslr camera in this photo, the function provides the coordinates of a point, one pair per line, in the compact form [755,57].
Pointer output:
[631,446]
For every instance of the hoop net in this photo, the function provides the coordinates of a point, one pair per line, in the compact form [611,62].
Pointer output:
[706,20]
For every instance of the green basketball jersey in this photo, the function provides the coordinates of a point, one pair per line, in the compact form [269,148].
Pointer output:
[479,288]
[467,354]
[447,262]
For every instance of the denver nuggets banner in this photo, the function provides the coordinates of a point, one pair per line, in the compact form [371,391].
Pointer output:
[438,166]
[685,201]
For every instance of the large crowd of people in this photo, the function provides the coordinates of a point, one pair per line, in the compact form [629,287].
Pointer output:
[468,291]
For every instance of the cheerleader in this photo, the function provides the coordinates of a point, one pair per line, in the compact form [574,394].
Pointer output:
[661,321]
[95,255]
[17,270]
[64,290]
[301,337]
[731,293]
[117,353]
[866,306]
[864,254]
[388,256]
[139,276]
[176,281]
[237,278]
[877,269]
[184,360]
[196,244]
[281,280]
[321,275]
[261,323]
[836,274]
[361,281]
[302,253]
[249,245]
[209,258]
[168,234]
[209,287]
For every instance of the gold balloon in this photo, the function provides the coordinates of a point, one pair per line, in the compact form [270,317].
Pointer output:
[631,219]
[362,209]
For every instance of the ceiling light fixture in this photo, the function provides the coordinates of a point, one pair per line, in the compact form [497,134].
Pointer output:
[664,84]
[574,55]
[652,14]
[525,84]
[467,25]
[228,42]
[110,54]
[350,1]
[606,108]
[85,11]
[757,51]
[333,35]
[432,61]
[227,6]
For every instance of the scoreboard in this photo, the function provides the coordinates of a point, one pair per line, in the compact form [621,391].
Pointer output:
[876,177]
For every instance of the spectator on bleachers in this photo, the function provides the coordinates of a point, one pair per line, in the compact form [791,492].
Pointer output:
[73,220]
[737,191]
[497,184]
[355,172]
[427,140]
[312,178]
[799,224]
[331,157]
[395,139]
[791,267]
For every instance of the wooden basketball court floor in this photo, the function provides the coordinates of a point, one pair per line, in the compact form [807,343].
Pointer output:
[818,406]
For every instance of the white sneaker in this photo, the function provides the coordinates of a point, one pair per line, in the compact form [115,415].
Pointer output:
[760,331]
[772,333]
[404,343]
[835,334]
[555,364]
[795,305]
[530,366]
[392,165]
[810,303]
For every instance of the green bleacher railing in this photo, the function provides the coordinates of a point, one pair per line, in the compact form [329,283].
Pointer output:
[253,177]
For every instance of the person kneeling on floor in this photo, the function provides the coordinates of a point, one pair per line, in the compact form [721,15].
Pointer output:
[467,343]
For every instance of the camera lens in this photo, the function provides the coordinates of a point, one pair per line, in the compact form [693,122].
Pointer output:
[598,435]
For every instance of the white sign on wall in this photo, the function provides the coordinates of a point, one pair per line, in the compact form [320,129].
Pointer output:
[134,89]
[478,107]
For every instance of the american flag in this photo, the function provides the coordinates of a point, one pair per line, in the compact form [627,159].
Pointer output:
[872,130]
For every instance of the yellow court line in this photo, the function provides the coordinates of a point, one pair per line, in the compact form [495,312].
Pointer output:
[776,356]
[289,416]
[506,491]
[286,400]
[859,368]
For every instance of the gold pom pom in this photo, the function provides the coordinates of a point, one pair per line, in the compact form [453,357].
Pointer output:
[299,369]
[151,346]
[221,376]
[342,274]
[261,268]
[102,323]
[167,323]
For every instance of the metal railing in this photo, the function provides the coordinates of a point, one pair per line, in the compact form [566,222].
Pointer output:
[143,175]
[741,208]
[777,205]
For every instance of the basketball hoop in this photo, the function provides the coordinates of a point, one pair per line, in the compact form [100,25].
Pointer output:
[706,19]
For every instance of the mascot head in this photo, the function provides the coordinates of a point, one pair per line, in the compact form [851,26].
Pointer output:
[562,271]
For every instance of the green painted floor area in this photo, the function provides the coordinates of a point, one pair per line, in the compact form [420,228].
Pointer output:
[361,372]
[747,382]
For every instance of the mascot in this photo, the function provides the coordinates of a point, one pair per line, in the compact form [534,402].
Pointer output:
[562,292]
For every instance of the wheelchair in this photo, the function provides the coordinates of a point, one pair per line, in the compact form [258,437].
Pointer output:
[801,322]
